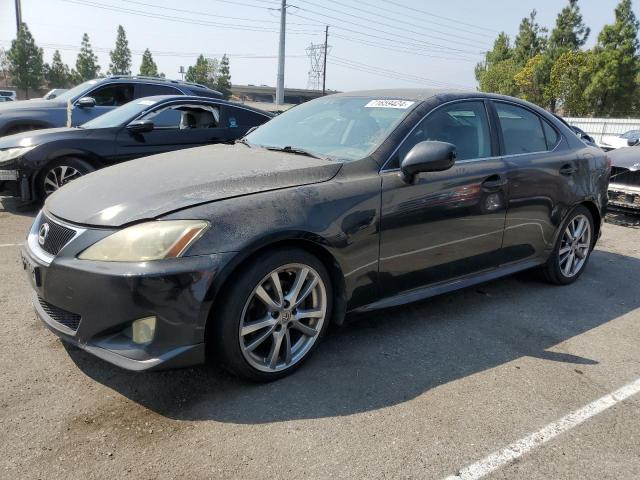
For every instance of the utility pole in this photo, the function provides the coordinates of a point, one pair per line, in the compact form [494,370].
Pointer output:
[18,17]
[324,67]
[280,79]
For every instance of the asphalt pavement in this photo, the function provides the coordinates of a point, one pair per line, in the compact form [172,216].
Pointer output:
[428,390]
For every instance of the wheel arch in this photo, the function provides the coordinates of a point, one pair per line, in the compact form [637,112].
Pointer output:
[596,215]
[310,243]
[85,156]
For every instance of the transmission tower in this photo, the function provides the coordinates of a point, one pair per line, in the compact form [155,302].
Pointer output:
[315,52]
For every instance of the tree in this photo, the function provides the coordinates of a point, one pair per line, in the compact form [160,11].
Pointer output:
[205,71]
[570,32]
[531,80]
[26,66]
[495,73]
[223,84]
[148,67]
[530,41]
[87,67]
[4,67]
[570,77]
[613,88]
[120,55]
[57,74]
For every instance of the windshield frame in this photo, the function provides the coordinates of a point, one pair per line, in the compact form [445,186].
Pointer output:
[394,126]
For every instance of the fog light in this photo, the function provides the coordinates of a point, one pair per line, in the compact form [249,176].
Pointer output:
[143,329]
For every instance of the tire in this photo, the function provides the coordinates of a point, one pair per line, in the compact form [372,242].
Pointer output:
[61,172]
[558,269]
[245,348]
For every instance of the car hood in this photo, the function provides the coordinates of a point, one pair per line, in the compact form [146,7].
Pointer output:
[153,186]
[22,105]
[38,137]
[628,157]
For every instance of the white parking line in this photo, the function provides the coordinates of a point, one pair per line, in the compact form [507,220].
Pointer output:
[517,449]
[10,245]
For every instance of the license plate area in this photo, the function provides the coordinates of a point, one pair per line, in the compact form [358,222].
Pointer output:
[34,271]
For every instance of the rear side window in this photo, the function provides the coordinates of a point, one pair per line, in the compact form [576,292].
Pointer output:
[551,136]
[521,130]
[239,117]
[147,90]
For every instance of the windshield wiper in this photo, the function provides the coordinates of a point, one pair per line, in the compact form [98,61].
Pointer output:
[296,151]
[244,141]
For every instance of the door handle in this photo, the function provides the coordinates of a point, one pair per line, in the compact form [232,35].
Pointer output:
[568,169]
[494,183]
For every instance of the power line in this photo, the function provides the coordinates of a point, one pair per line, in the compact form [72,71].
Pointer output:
[412,39]
[402,27]
[251,28]
[404,44]
[457,22]
[393,73]
[404,18]
[400,50]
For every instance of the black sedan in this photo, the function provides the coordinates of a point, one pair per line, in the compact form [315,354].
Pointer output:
[353,202]
[35,164]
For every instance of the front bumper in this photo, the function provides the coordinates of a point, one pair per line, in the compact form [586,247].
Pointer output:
[625,196]
[14,183]
[92,304]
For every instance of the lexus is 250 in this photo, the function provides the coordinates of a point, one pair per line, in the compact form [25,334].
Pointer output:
[244,254]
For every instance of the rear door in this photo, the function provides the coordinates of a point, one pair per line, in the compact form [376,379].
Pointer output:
[541,171]
[446,224]
[239,120]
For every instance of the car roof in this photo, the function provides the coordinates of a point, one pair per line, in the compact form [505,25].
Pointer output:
[156,80]
[197,98]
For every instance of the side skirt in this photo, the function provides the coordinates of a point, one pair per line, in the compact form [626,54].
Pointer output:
[440,288]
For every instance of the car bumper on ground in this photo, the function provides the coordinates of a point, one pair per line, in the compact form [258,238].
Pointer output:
[94,304]
[624,196]
[15,184]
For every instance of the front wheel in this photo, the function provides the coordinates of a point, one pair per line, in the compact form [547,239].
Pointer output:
[573,248]
[274,314]
[61,172]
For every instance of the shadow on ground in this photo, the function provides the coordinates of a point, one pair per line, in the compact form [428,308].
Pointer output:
[392,356]
[14,206]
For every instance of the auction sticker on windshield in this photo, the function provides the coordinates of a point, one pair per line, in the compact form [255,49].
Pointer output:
[401,104]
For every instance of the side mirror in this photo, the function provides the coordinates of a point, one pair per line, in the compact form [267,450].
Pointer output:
[428,156]
[632,142]
[86,102]
[140,126]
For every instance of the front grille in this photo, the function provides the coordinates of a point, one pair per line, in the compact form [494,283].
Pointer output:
[57,237]
[623,176]
[68,319]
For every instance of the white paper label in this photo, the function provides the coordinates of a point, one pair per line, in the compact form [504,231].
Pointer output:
[401,104]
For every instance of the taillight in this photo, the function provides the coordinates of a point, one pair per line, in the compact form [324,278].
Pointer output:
[608,162]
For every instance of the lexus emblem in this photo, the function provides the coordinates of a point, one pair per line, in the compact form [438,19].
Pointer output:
[43,233]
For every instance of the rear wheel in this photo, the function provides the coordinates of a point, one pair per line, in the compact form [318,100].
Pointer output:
[573,248]
[61,172]
[274,314]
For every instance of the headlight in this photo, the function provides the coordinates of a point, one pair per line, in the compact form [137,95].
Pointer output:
[147,241]
[11,153]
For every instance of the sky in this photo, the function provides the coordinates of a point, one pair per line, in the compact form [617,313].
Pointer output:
[373,43]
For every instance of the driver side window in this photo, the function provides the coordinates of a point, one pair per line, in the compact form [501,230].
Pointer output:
[463,124]
[113,95]
[185,117]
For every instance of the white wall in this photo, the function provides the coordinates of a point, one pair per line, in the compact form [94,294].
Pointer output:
[597,127]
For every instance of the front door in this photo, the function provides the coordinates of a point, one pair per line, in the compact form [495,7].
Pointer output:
[446,224]
[175,127]
[107,98]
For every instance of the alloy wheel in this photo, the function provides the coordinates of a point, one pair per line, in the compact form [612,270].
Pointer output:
[59,176]
[283,317]
[575,246]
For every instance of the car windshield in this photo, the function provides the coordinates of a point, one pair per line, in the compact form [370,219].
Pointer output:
[342,128]
[76,91]
[120,115]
